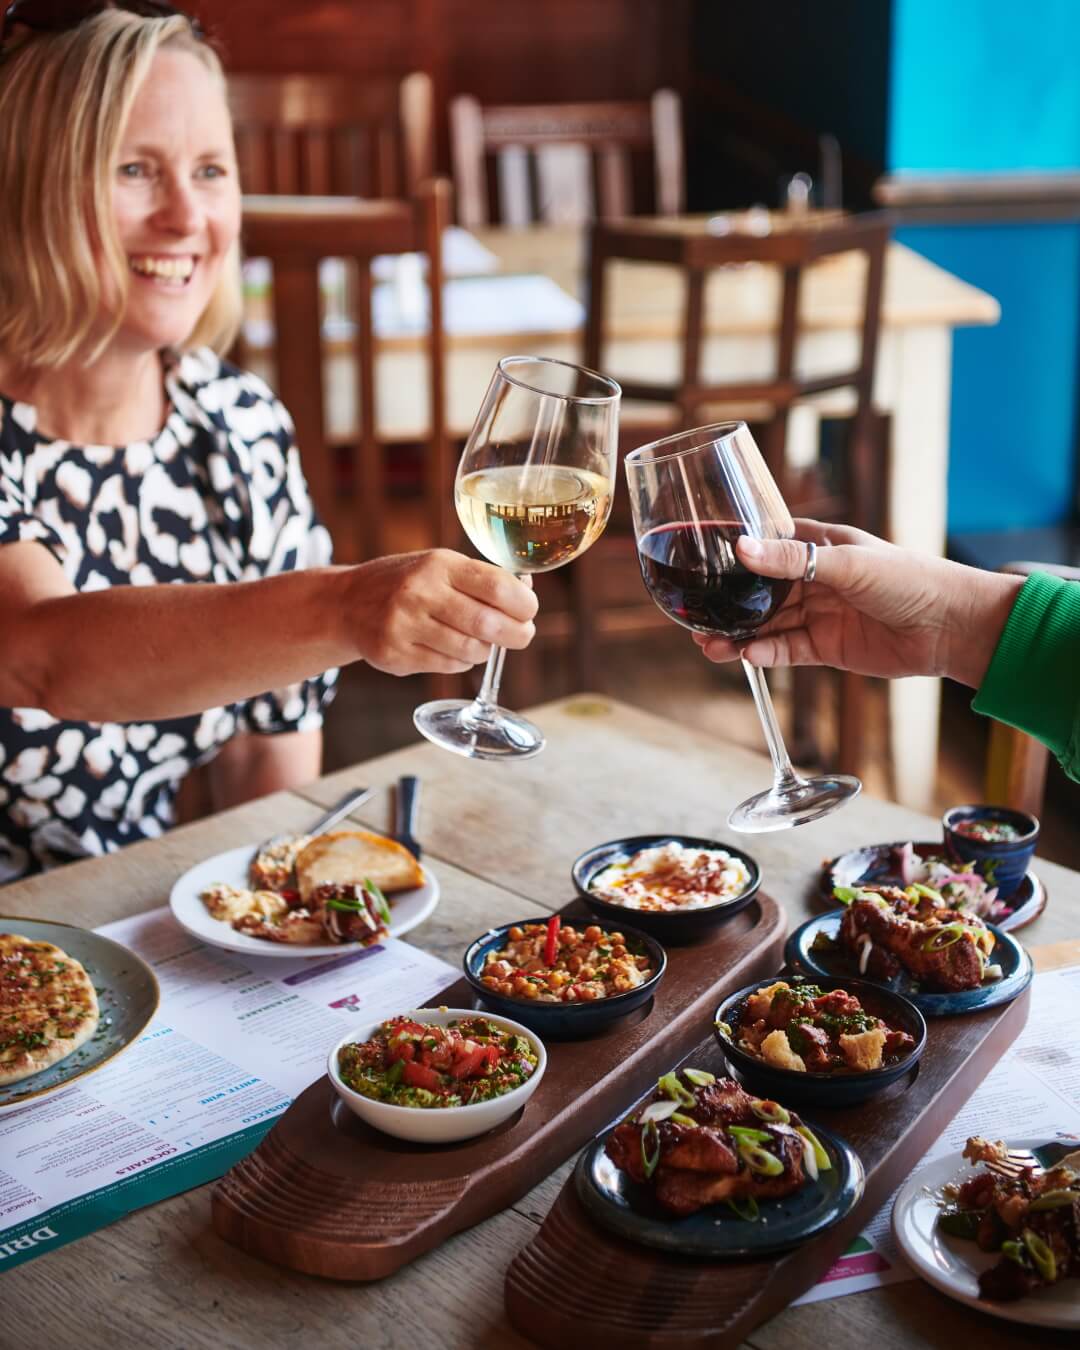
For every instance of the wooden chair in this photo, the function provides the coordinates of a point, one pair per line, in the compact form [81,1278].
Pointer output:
[296,234]
[1016,762]
[333,135]
[856,495]
[591,153]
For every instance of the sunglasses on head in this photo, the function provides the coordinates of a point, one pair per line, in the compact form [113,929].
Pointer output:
[55,16]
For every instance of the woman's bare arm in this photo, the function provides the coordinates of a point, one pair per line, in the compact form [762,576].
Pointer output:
[252,765]
[134,653]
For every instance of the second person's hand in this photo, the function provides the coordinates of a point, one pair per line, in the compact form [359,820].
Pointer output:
[872,608]
[436,612]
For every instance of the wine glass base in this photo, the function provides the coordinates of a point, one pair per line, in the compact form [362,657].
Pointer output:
[501,734]
[783,808]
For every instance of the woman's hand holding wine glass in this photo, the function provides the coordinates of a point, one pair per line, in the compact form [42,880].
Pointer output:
[533,491]
[436,611]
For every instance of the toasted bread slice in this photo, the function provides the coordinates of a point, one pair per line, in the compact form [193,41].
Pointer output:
[350,857]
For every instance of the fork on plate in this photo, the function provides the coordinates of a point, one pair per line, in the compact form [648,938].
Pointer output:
[1019,1160]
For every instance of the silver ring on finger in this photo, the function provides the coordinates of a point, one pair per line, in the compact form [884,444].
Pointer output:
[810,571]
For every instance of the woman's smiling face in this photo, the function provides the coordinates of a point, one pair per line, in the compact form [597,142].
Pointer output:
[176,200]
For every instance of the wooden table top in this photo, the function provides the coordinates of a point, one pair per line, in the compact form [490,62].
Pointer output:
[501,839]
[646,298]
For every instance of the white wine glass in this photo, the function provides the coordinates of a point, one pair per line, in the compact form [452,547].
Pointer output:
[533,491]
[692,496]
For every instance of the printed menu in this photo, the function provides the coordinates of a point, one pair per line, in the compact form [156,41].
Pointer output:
[234,1041]
[1036,1083]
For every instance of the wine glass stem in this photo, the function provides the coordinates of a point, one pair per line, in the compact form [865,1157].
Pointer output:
[784,776]
[483,705]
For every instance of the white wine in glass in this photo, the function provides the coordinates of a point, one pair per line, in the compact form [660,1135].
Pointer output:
[533,491]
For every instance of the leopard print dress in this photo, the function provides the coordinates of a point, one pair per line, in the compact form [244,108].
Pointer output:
[218,495]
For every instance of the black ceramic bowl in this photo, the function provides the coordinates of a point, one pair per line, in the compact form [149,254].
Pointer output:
[672,926]
[1003,862]
[564,1021]
[821,1089]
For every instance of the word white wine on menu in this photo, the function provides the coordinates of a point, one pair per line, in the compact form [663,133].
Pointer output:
[532,517]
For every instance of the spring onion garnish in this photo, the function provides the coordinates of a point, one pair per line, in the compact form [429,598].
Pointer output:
[771,1111]
[699,1077]
[810,1160]
[650,1147]
[847,894]
[723,1028]
[678,1118]
[1014,1251]
[747,1211]
[760,1160]
[822,1158]
[928,891]
[658,1111]
[357,907]
[382,905]
[671,1086]
[1053,1200]
[746,1134]
[1041,1254]
[944,937]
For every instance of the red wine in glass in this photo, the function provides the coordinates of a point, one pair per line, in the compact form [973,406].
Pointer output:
[693,495]
[691,572]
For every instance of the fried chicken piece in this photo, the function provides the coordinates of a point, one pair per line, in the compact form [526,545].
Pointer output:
[900,941]
[682,1192]
[723,1103]
[697,1150]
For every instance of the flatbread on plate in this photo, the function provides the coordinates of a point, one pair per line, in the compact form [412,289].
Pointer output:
[349,857]
[48,1007]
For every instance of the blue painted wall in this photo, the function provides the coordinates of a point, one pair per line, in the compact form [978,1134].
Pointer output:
[983,85]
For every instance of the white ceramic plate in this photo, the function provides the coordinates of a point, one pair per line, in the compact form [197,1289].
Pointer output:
[407,908]
[953,1265]
[127,991]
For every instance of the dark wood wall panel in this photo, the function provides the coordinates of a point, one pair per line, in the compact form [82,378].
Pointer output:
[510,51]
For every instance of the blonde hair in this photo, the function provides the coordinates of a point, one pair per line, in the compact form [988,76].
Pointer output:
[64,103]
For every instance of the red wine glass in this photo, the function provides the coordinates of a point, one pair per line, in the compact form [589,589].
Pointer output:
[692,496]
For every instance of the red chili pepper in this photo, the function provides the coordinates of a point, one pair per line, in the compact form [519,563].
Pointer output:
[551,945]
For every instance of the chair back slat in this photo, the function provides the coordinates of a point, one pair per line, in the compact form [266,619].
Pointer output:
[296,235]
[792,251]
[542,150]
[857,493]
[331,134]
[318,175]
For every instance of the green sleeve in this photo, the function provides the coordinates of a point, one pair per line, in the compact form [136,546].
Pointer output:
[1033,680]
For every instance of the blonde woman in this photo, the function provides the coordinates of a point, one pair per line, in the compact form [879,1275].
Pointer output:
[132,457]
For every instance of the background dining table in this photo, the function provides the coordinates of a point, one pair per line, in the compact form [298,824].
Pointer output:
[501,840]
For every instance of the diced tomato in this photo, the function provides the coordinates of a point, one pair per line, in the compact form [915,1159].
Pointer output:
[470,1063]
[403,1050]
[420,1076]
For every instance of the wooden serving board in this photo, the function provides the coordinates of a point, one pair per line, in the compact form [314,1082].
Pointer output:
[614,1293]
[326,1194]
